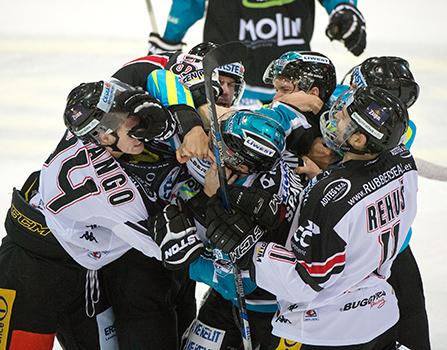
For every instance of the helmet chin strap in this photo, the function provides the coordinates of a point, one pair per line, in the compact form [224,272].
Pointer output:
[351,149]
[114,146]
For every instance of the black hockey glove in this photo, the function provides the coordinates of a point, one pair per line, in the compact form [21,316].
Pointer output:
[346,24]
[234,233]
[175,234]
[189,69]
[157,44]
[156,122]
[265,208]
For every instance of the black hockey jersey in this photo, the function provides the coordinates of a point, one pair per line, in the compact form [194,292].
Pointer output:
[268,31]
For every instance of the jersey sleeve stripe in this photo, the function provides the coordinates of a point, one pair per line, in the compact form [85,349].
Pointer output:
[160,61]
[316,269]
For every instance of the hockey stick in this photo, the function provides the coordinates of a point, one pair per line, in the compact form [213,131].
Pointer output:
[150,10]
[221,55]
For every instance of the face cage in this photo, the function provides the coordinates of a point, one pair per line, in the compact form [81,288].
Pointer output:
[109,124]
[334,137]
[239,89]
[233,160]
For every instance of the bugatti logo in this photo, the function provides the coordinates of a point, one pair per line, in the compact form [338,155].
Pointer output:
[3,308]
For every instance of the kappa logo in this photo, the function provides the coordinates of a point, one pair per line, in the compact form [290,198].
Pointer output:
[282,319]
[88,236]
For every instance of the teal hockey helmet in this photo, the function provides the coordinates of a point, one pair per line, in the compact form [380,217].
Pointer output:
[252,138]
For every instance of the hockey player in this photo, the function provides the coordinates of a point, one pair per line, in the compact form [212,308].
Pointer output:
[394,74]
[330,278]
[231,79]
[84,210]
[310,78]
[253,146]
[269,28]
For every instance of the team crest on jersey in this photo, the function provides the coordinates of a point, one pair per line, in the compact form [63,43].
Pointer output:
[95,255]
[310,315]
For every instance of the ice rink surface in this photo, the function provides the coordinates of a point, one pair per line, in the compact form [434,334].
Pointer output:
[47,47]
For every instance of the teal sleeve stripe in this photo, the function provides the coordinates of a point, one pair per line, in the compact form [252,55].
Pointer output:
[329,5]
[407,241]
[411,134]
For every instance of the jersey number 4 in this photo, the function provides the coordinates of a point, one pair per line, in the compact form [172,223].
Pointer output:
[70,192]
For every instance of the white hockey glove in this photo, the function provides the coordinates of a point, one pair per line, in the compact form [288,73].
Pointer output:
[346,24]
[176,235]
[158,45]
[189,69]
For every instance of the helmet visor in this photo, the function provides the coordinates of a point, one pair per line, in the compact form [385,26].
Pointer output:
[336,125]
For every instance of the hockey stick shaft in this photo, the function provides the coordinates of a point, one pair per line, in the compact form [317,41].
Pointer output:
[150,10]
[225,54]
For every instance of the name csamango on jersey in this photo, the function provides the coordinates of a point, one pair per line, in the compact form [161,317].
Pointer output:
[90,204]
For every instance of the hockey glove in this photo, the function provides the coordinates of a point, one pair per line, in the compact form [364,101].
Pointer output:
[233,233]
[158,45]
[346,24]
[265,208]
[189,69]
[156,122]
[176,235]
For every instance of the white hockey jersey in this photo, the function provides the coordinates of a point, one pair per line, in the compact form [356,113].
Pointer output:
[91,205]
[330,278]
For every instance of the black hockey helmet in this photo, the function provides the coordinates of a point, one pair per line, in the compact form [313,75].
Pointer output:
[254,139]
[389,73]
[92,108]
[378,114]
[307,69]
[202,49]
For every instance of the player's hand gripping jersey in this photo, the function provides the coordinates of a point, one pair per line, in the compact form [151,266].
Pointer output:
[333,285]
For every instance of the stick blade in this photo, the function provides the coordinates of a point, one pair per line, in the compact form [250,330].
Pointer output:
[233,51]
